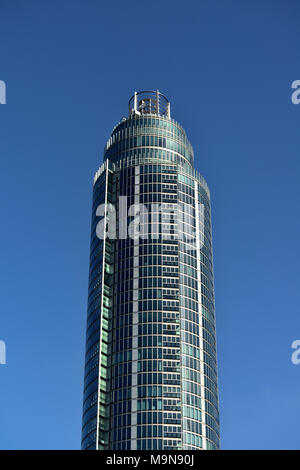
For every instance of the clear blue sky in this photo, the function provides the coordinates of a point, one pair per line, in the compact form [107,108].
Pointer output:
[70,67]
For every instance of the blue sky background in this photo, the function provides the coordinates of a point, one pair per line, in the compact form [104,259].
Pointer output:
[70,67]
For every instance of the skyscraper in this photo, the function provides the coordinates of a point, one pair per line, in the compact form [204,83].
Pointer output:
[150,367]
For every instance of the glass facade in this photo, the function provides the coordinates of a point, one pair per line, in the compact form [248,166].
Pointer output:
[150,366]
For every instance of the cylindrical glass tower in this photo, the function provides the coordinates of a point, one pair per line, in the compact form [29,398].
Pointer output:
[150,367]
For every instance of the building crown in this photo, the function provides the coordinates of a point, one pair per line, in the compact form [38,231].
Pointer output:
[149,102]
